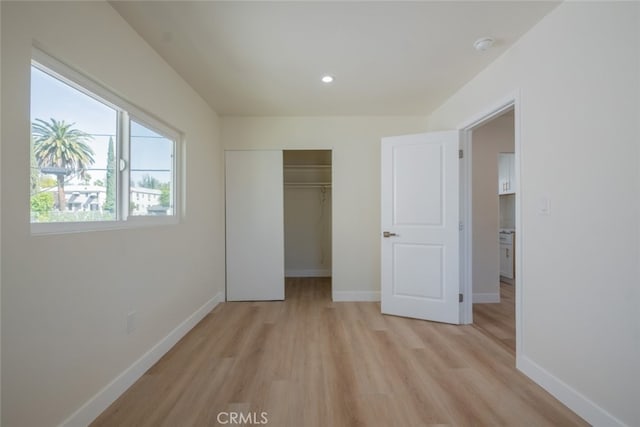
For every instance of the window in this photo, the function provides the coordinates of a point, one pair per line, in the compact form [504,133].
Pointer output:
[71,133]
[96,161]
[151,171]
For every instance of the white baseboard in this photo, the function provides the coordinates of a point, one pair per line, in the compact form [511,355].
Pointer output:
[105,397]
[486,298]
[307,273]
[571,398]
[363,296]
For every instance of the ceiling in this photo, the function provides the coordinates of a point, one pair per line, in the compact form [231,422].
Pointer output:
[388,58]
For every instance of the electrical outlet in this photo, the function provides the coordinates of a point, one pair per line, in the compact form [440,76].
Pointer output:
[132,321]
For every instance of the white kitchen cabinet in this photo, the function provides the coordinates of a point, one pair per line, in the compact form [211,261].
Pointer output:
[506,261]
[506,173]
[507,265]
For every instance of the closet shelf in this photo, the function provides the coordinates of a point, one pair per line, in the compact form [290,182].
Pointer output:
[307,166]
[307,175]
[308,184]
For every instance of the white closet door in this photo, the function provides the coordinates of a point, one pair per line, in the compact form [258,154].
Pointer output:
[255,225]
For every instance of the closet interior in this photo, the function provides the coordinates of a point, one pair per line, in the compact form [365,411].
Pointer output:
[307,213]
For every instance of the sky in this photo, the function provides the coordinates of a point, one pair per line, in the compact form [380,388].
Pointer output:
[51,98]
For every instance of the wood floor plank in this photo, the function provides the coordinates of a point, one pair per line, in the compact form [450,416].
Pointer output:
[497,320]
[311,362]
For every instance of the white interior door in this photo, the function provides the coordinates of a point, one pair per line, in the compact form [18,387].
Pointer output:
[255,225]
[420,203]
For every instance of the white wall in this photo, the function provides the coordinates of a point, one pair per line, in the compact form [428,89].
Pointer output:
[355,142]
[577,73]
[307,232]
[63,336]
[489,140]
[0,221]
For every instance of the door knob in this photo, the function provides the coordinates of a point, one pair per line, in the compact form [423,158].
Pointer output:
[387,234]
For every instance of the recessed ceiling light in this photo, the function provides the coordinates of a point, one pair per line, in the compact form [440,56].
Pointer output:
[483,44]
[327,79]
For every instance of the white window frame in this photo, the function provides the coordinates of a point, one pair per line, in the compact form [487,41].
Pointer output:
[125,112]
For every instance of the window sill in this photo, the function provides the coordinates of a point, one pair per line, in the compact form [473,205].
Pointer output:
[40,229]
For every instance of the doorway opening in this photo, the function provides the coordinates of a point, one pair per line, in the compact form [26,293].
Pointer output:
[307,223]
[490,212]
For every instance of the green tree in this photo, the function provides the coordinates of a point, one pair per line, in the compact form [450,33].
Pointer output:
[98,183]
[35,171]
[62,149]
[41,203]
[47,182]
[110,202]
[149,181]
[165,194]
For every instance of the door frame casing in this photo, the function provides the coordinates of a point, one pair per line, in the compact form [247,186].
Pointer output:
[466,128]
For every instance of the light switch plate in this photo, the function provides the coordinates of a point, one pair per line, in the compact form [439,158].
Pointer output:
[544,205]
[132,321]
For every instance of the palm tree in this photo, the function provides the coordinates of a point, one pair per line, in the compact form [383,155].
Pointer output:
[61,150]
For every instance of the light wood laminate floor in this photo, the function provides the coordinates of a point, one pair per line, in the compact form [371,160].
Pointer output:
[310,362]
[498,320]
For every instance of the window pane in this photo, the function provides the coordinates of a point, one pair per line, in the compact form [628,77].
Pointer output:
[151,172]
[73,139]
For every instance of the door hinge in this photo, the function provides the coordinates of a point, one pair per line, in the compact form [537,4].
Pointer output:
[460,154]
[460,226]
[460,298]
